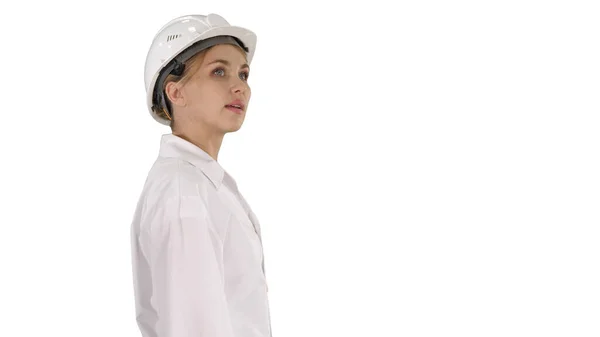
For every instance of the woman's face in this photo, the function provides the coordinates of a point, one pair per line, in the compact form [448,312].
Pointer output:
[220,81]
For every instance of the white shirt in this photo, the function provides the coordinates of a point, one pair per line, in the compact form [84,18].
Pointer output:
[198,266]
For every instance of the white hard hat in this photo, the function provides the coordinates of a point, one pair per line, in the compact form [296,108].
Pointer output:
[180,39]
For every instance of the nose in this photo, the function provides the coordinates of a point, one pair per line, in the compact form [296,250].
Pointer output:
[239,87]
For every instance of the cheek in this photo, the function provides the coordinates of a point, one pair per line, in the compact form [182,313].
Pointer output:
[203,98]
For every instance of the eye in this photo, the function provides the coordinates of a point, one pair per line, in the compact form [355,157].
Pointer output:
[216,72]
[244,75]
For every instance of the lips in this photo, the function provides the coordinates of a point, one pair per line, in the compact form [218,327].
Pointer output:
[237,104]
[234,109]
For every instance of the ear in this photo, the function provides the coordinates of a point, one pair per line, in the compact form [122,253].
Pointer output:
[175,94]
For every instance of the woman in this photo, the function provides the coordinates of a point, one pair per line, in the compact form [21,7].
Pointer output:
[197,255]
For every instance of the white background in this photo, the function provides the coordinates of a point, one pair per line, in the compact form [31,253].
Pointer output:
[419,168]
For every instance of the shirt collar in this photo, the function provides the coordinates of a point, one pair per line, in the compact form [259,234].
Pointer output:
[172,146]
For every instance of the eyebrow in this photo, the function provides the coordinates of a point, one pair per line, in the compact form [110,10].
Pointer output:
[227,63]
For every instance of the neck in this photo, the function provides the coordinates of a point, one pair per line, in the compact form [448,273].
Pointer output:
[209,142]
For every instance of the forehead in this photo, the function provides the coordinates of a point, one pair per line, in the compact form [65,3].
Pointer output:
[228,52]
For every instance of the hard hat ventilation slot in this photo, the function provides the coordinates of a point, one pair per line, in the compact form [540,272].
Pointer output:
[173,37]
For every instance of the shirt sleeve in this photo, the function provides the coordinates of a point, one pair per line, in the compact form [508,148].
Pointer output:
[187,271]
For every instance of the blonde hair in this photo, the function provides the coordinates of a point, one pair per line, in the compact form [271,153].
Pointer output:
[191,67]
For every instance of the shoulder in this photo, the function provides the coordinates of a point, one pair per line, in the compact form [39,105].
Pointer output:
[173,180]
[173,193]
[177,192]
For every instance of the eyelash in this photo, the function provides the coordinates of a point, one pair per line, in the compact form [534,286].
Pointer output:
[244,72]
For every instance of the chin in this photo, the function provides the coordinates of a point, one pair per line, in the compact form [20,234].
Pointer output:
[233,129]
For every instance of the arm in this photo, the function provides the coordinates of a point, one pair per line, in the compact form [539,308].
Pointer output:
[187,272]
